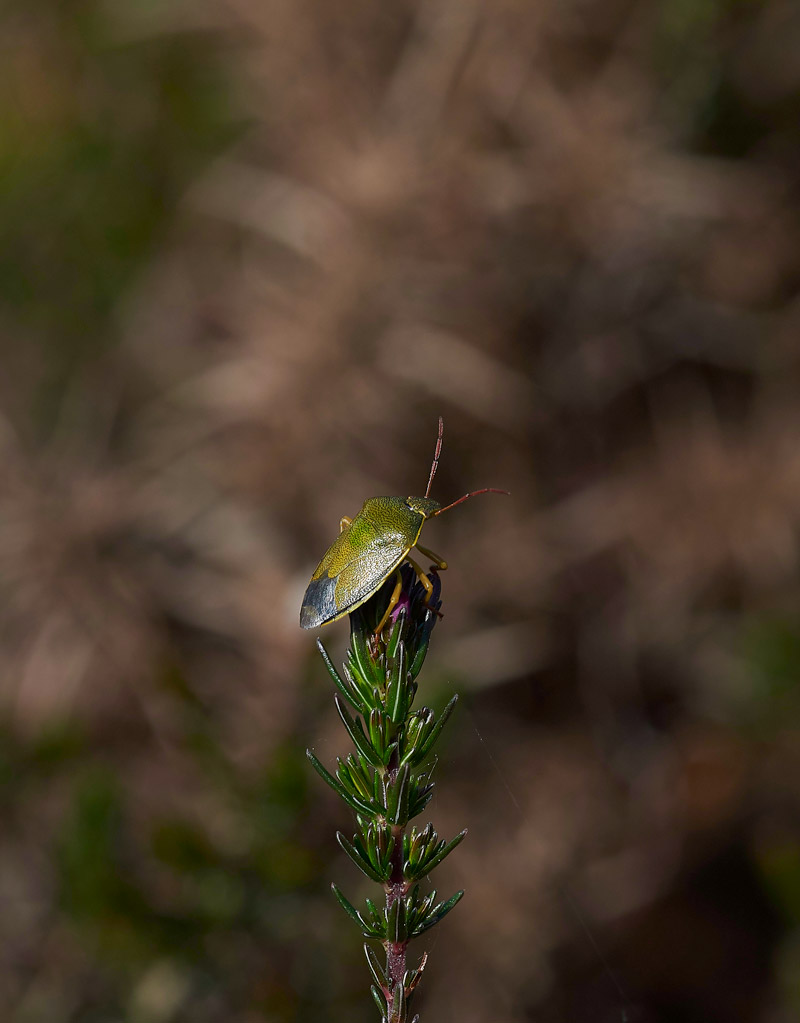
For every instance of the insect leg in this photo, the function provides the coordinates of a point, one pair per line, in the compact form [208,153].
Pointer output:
[440,563]
[423,578]
[344,522]
[395,597]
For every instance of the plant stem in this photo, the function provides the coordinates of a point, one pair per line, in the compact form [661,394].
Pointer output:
[384,782]
[396,889]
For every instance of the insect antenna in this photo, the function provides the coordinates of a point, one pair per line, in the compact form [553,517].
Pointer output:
[474,493]
[436,454]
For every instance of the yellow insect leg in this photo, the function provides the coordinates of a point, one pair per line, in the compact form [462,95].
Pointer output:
[344,522]
[423,578]
[440,563]
[395,597]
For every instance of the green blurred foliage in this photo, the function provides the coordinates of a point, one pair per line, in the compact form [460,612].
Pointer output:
[693,64]
[173,921]
[770,646]
[780,865]
[102,129]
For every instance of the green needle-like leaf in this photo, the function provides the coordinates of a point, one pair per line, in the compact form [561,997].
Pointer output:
[419,659]
[387,857]
[348,691]
[434,733]
[348,906]
[397,632]
[355,778]
[397,807]
[396,921]
[362,661]
[438,913]
[428,865]
[360,685]
[352,800]
[380,1001]
[376,728]
[377,917]
[398,1014]
[396,692]
[375,968]
[419,798]
[416,731]
[363,865]
[356,733]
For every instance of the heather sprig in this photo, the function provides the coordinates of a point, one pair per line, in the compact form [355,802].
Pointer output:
[386,781]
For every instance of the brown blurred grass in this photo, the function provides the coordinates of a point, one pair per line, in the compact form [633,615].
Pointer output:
[252,250]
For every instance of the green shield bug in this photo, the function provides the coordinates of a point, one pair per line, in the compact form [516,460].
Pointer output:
[369,548]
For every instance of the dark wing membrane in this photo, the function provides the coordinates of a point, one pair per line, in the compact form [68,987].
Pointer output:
[318,606]
[349,574]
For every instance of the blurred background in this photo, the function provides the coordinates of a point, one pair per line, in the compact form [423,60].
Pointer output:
[249,251]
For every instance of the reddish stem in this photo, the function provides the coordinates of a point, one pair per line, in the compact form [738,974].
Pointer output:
[396,889]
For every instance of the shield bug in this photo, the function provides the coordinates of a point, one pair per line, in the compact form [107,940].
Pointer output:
[369,548]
